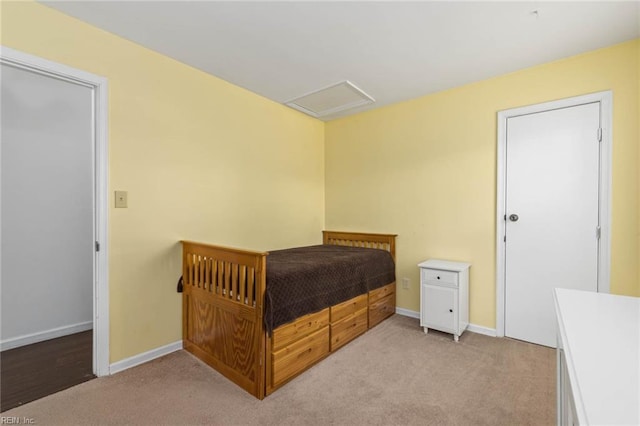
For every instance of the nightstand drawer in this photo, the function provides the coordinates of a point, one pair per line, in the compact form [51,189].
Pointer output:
[436,276]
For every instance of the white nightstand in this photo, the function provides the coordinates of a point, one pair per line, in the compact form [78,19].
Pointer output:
[444,296]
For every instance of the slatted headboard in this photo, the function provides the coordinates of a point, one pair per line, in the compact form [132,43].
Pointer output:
[355,239]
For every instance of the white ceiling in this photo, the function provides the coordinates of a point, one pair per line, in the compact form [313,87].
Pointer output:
[393,50]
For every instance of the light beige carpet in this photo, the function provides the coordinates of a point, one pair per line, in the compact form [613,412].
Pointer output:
[392,375]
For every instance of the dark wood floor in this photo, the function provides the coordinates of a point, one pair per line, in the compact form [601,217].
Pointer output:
[34,371]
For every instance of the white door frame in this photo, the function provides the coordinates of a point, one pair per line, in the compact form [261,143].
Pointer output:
[604,191]
[100,151]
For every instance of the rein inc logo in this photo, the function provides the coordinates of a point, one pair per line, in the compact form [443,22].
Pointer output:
[15,420]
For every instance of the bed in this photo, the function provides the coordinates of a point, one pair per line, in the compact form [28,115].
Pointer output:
[259,335]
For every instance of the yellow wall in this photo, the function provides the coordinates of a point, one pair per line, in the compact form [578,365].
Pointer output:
[426,170]
[202,159]
[205,160]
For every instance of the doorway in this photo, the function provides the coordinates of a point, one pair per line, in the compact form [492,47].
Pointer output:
[53,254]
[553,210]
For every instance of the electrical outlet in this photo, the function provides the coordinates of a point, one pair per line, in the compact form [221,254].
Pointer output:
[405,283]
[121,199]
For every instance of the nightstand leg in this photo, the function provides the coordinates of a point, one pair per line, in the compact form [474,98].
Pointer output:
[456,337]
[426,330]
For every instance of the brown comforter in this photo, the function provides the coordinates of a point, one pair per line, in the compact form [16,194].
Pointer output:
[308,279]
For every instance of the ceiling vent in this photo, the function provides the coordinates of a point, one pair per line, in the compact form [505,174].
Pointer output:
[331,99]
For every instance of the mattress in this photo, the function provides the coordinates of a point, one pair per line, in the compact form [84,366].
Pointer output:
[303,280]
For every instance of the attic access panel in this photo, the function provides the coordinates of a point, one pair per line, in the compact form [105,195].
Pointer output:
[331,99]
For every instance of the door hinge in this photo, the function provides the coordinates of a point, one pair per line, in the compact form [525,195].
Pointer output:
[97,246]
[599,134]
[597,232]
[505,238]
[505,218]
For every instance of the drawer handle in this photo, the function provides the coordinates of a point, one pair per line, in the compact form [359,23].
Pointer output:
[308,351]
[438,277]
[450,310]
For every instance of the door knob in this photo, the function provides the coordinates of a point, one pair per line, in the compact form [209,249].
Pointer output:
[513,217]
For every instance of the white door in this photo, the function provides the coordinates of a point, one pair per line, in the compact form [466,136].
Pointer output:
[552,176]
[47,214]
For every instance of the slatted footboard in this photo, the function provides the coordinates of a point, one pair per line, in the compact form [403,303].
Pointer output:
[222,311]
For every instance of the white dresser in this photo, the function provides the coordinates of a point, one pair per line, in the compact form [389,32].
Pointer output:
[444,296]
[598,358]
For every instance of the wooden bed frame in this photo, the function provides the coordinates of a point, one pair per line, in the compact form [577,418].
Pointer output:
[222,315]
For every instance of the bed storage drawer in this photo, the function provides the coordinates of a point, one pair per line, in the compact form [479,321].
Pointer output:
[381,309]
[348,328]
[347,308]
[298,356]
[286,334]
[382,292]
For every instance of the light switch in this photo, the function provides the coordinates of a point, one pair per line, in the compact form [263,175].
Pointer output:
[121,199]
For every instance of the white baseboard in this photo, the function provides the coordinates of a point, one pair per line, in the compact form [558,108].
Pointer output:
[135,360]
[407,313]
[482,330]
[471,327]
[41,336]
